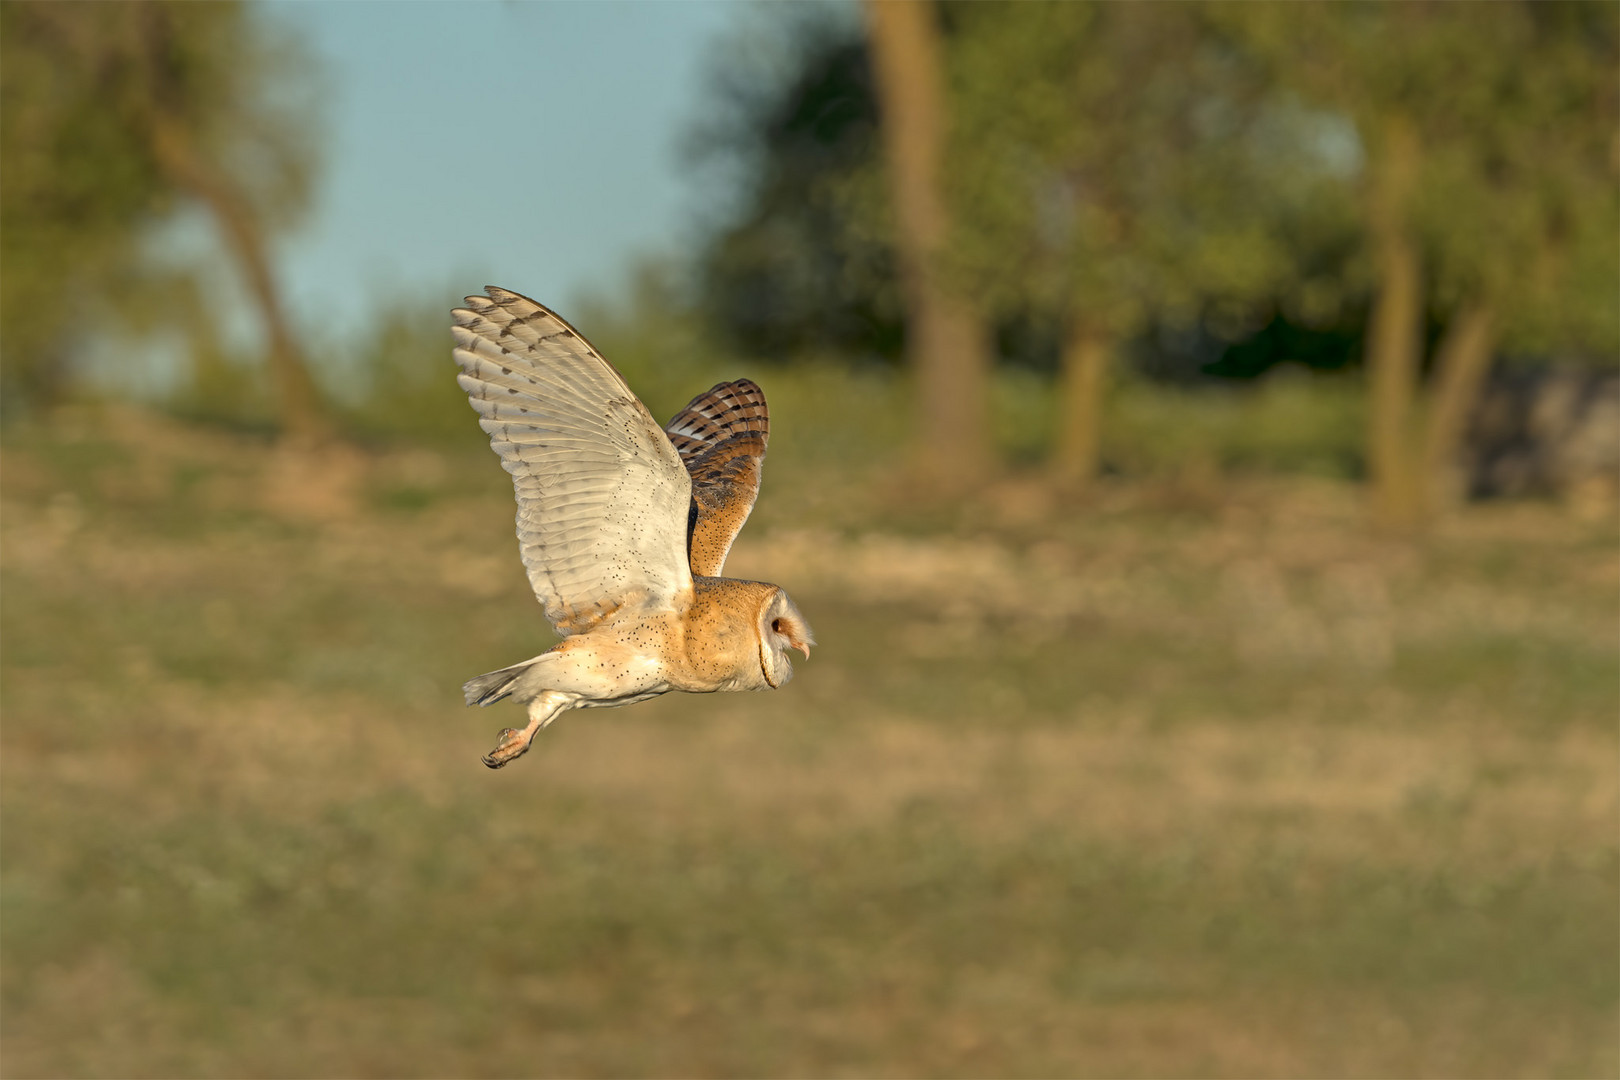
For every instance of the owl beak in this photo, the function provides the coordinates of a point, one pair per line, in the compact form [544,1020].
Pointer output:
[802,646]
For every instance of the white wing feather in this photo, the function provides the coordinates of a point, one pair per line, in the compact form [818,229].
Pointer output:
[602,495]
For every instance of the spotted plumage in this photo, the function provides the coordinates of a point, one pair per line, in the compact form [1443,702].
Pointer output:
[623,526]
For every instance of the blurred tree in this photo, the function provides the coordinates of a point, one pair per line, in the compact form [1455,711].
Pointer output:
[1104,165]
[75,189]
[791,268]
[1488,186]
[946,340]
[114,115]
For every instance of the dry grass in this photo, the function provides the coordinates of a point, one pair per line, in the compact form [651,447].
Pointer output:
[1167,784]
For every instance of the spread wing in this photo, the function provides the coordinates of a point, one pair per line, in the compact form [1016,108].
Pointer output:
[721,436]
[602,495]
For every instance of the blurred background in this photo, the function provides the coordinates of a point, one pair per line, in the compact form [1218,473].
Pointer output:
[1196,433]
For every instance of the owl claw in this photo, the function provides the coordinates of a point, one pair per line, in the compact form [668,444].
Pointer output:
[513,744]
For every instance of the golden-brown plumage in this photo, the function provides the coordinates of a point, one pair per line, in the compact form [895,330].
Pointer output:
[721,436]
[623,526]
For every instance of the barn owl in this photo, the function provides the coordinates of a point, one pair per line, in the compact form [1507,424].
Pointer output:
[623,526]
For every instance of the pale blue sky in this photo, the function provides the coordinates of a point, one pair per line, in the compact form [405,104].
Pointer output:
[532,145]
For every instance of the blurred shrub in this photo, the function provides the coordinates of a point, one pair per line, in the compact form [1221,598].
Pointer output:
[396,380]
[224,388]
[1290,422]
[1023,413]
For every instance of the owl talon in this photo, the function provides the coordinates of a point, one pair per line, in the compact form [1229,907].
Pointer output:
[513,744]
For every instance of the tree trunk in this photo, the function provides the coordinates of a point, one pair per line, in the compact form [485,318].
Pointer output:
[1085,363]
[1394,336]
[1460,367]
[302,418]
[946,342]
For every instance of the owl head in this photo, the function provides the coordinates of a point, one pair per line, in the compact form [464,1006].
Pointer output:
[781,627]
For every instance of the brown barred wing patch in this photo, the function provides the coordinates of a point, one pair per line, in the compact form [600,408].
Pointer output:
[721,436]
[727,410]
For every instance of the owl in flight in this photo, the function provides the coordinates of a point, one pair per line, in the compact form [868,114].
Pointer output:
[623,525]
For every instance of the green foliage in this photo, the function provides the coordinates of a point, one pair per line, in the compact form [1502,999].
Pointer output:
[1514,106]
[1291,423]
[792,268]
[82,188]
[76,185]
[1102,164]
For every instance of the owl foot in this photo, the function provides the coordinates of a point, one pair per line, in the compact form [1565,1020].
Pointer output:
[514,744]
[514,741]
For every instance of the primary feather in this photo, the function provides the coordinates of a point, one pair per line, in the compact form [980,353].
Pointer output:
[602,494]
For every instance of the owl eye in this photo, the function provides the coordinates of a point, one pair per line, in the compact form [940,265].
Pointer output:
[776,624]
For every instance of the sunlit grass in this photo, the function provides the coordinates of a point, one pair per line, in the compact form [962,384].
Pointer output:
[1146,785]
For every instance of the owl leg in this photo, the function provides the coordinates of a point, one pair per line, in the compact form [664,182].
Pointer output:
[515,743]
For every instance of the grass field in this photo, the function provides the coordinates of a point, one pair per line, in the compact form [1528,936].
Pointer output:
[1183,781]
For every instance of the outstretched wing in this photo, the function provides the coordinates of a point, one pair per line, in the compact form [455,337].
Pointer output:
[602,495]
[721,436]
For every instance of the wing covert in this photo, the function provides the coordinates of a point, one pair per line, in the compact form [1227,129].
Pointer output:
[721,435]
[602,496]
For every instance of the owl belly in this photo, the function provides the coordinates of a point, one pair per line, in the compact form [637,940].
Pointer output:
[600,670]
